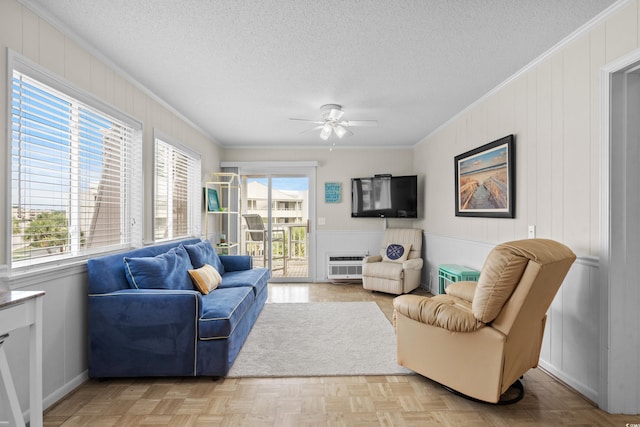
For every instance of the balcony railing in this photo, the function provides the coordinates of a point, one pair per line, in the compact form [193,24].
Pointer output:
[294,247]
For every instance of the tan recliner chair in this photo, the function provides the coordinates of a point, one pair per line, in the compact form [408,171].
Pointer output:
[397,269]
[480,338]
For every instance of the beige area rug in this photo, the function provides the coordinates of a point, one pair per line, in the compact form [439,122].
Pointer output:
[319,339]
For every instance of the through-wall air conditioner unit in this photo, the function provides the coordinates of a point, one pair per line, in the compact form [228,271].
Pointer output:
[345,266]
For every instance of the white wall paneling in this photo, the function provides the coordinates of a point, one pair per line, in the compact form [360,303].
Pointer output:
[64,342]
[570,349]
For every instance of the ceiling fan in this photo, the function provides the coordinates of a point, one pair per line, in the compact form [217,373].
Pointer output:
[331,123]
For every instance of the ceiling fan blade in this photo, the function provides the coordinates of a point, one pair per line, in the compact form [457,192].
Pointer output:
[347,133]
[318,122]
[312,129]
[335,114]
[360,123]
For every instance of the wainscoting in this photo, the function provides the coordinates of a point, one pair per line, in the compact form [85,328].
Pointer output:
[570,350]
[64,363]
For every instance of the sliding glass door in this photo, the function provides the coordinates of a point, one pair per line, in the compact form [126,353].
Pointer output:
[276,229]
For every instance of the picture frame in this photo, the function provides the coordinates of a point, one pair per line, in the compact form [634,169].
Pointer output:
[213,203]
[485,180]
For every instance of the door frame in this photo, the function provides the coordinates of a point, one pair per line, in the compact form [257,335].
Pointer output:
[307,168]
[620,136]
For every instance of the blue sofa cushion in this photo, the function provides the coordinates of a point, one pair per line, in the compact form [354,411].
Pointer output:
[169,270]
[106,273]
[203,253]
[256,278]
[222,309]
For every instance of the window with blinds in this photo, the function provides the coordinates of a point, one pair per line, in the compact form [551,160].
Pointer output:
[178,191]
[73,173]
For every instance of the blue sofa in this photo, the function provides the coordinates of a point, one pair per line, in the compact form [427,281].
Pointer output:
[163,326]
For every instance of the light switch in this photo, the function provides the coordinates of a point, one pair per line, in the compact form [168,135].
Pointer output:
[532,232]
[321,220]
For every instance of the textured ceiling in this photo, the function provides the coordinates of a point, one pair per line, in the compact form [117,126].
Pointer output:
[240,69]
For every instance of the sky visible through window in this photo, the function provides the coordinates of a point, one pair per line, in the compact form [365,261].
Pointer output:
[286,184]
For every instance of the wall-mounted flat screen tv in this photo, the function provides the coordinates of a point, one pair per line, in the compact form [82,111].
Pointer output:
[384,196]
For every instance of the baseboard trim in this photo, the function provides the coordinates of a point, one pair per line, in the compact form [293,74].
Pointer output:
[67,388]
[569,382]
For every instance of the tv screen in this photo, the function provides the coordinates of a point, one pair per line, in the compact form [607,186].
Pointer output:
[384,196]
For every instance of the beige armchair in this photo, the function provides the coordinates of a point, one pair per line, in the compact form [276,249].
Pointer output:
[480,338]
[397,269]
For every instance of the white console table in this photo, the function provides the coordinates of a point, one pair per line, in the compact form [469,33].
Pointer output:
[22,309]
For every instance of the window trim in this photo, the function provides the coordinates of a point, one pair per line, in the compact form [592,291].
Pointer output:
[21,64]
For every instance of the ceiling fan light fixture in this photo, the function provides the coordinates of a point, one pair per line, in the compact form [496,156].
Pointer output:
[336,113]
[332,126]
[326,131]
[340,131]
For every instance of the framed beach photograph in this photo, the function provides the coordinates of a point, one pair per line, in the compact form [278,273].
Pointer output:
[485,180]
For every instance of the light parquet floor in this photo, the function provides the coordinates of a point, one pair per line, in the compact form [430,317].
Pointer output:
[407,400]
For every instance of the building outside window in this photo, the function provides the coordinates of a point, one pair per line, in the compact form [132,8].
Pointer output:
[178,191]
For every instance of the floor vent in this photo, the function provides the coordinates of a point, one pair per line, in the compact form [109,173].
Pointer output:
[345,267]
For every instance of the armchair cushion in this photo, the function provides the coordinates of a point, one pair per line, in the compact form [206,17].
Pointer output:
[499,277]
[396,252]
[202,253]
[164,271]
[205,278]
[385,270]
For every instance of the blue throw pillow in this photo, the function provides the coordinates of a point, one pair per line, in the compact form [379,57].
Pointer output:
[396,252]
[169,270]
[203,253]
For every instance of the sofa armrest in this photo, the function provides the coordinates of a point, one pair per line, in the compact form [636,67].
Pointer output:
[236,262]
[141,332]
[372,258]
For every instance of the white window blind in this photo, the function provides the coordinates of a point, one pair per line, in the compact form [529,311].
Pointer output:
[178,192]
[72,168]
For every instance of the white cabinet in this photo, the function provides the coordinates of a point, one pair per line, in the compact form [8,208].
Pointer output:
[222,207]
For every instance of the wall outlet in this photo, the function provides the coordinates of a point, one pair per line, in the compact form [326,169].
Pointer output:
[532,232]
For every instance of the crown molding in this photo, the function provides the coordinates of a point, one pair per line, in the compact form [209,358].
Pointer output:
[92,50]
[584,29]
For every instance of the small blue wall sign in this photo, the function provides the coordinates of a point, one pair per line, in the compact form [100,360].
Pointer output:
[332,192]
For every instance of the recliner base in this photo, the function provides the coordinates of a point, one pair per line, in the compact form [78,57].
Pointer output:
[518,386]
